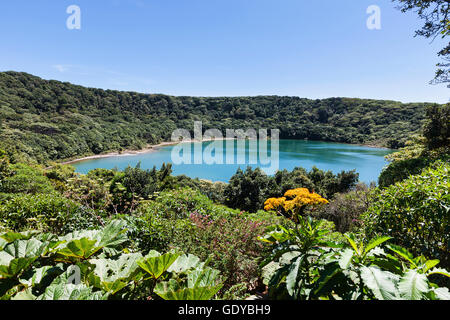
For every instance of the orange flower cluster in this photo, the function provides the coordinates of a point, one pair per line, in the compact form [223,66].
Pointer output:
[274,203]
[299,198]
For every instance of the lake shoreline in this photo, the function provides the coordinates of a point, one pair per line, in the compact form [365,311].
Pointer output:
[131,152]
[156,147]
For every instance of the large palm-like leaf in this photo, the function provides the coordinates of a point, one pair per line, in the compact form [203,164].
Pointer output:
[202,284]
[79,249]
[19,256]
[114,275]
[156,264]
[413,286]
[63,291]
[381,283]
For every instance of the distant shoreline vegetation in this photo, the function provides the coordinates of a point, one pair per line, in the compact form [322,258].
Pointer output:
[47,121]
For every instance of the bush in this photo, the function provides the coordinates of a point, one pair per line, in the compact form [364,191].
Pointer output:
[232,245]
[47,213]
[416,213]
[437,127]
[186,219]
[345,209]
[400,170]
[26,179]
[248,190]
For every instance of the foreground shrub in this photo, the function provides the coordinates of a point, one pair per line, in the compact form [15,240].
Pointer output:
[345,209]
[96,265]
[187,220]
[231,243]
[305,265]
[47,213]
[23,178]
[415,213]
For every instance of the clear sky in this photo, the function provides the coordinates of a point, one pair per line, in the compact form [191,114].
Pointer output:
[312,49]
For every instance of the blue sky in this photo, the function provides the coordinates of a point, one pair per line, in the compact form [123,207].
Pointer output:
[312,49]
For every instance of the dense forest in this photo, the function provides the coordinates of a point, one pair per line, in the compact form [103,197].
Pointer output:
[298,235]
[43,121]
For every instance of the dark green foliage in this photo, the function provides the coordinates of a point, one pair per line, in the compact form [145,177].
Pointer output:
[305,265]
[135,184]
[248,190]
[23,178]
[187,220]
[97,265]
[437,127]
[416,213]
[435,14]
[400,170]
[421,151]
[47,213]
[345,209]
[50,120]
[4,167]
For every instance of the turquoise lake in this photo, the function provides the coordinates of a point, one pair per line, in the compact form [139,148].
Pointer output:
[336,157]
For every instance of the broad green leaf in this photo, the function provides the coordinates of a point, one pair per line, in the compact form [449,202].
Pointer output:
[3,243]
[352,243]
[203,278]
[13,236]
[381,283]
[114,275]
[110,236]
[157,265]
[15,267]
[439,271]
[185,263]
[113,234]
[375,243]
[346,258]
[40,274]
[413,286]
[441,293]
[402,252]
[201,285]
[24,295]
[327,275]
[71,292]
[429,264]
[79,249]
[25,248]
[291,278]
[201,293]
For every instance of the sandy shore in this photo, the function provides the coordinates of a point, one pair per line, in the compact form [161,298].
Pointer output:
[148,149]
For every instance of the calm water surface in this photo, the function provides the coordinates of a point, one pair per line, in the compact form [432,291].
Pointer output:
[336,157]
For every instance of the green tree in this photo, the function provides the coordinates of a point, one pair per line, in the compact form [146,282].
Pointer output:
[436,15]
[437,127]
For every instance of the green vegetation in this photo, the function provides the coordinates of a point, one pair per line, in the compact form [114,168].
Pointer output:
[96,265]
[145,234]
[416,212]
[435,14]
[44,121]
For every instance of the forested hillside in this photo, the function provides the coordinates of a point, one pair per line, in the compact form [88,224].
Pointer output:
[49,120]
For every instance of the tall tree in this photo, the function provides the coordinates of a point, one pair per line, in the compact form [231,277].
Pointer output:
[436,16]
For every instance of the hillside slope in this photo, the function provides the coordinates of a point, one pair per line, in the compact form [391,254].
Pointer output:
[50,120]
